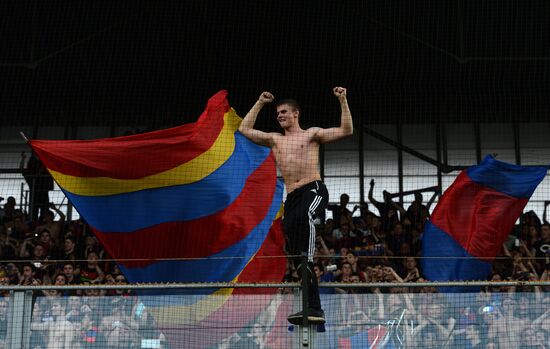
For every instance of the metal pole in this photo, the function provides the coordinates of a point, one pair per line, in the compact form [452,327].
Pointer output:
[361,163]
[477,133]
[517,144]
[21,196]
[14,338]
[400,161]
[438,155]
[32,193]
[305,300]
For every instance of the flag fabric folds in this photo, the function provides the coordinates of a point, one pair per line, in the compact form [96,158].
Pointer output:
[193,203]
[474,217]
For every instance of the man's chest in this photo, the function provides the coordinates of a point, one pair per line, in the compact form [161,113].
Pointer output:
[296,145]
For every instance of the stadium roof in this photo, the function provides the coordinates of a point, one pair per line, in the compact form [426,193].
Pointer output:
[120,63]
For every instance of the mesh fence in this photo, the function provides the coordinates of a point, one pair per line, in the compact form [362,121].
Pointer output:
[356,318]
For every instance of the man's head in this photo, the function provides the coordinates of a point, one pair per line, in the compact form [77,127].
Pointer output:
[28,271]
[39,252]
[351,258]
[345,229]
[10,201]
[545,231]
[344,199]
[57,309]
[346,269]
[120,280]
[45,236]
[288,112]
[397,229]
[69,245]
[68,270]
[60,279]
[409,263]
[47,216]
[318,269]
[93,257]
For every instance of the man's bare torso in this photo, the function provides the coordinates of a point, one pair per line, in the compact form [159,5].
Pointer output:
[297,156]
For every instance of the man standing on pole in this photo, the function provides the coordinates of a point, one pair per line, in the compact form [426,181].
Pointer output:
[297,156]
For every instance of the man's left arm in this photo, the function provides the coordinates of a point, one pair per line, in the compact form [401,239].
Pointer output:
[326,135]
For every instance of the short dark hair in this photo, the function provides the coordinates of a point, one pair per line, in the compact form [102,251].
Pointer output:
[291,102]
[69,263]
[320,266]
[30,265]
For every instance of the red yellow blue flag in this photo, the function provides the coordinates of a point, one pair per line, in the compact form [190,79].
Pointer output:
[193,203]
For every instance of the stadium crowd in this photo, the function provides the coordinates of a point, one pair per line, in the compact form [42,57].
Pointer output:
[356,245]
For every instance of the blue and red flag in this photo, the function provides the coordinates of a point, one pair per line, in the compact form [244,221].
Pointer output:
[193,203]
[474,217]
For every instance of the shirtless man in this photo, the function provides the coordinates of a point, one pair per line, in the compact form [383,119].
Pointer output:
[297,155]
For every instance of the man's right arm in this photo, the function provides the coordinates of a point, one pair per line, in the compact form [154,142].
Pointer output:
[371,196]
[247,125]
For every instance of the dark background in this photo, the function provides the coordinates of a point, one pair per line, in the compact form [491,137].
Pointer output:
[92,63]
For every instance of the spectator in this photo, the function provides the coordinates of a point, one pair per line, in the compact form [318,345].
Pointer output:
[387,209]
[92,245]
[396,238]
[418,213]
[340,213]
[27,277]
[74,310]
[70,274]
[364,212]
[51,250]
[40,183]
[90,292]
[70,252]
[119,329]
[543,321]
[59,280]
[352,259]
[409,271]
[376,273]
[9,210]
[529,340]
[60,332]
[323,276]
[90,336]
[18,229]
[4,281]
[327,230]
[121,280]
[542,246]
[48,223]
[8,245]
[345,273]
[343,236]
[431,315]
[13,274]
[499,329]
[27,247]
[91,271]
[473,338]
